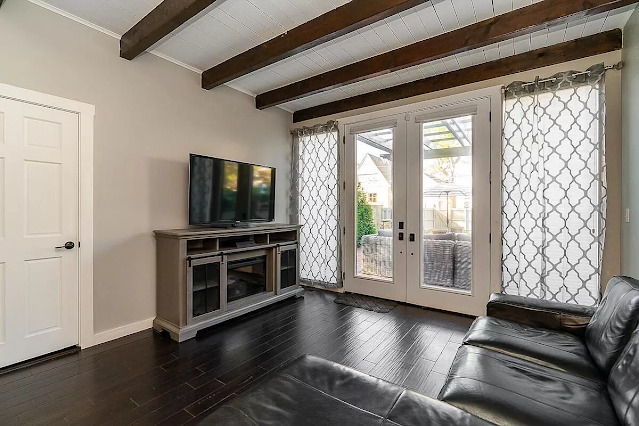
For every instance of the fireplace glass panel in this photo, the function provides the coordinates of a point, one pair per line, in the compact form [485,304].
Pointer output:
[245,277]
[206,288]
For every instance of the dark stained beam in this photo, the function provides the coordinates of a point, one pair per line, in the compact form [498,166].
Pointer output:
[519,22]
[563,52]
[159,23]
[347,18]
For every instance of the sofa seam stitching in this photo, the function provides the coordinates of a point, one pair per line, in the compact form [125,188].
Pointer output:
[243,413]
[625,415]
[393,406]
[331,396]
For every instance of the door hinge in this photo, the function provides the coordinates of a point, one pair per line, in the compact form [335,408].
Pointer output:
[78,244]
[344,139]
[490,177]
[343,276]
[490,116]
[344,186]
[490,238]
[344,230]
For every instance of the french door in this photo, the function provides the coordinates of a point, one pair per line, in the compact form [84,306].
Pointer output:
[417,207]
[376,203]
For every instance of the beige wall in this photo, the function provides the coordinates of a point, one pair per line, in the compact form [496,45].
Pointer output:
[150,114]
[612,257]
[630,85]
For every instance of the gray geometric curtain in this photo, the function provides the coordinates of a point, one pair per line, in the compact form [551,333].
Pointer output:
[315,194]
[554,187]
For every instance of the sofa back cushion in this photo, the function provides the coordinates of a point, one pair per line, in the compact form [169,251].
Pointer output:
[464,237]
[614,321]
[448,237]
[623,383]
[385,233]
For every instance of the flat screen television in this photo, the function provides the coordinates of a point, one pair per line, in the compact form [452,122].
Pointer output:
[225,192]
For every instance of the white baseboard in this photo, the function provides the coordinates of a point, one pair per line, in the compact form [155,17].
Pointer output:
[116,333]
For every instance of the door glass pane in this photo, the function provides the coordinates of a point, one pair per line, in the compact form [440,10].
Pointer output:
[288,268]
[447,202]
[374,204]
[206,288]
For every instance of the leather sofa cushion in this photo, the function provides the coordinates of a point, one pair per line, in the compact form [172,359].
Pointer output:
[614,321]
[623,383]
[556,349]
[314,391]
[506,390]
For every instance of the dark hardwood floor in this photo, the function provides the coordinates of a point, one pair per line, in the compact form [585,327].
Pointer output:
[147,379]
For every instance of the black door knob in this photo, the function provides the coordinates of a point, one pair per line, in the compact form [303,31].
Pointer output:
[68,245]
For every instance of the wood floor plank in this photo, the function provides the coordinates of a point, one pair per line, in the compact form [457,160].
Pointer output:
[446,358]
[148,379]
[417,378]
[433,384]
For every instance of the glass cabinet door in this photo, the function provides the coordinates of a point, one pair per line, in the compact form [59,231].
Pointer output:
[205,289]
[288,267]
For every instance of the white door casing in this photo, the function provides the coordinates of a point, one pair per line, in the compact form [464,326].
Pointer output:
[39,210]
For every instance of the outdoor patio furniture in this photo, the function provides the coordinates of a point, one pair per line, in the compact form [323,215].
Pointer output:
[447,258]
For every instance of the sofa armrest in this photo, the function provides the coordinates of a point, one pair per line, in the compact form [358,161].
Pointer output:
[541,313]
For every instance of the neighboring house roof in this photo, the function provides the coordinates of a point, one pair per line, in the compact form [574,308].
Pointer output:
[385,167]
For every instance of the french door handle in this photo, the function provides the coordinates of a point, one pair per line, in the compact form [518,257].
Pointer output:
[69,245]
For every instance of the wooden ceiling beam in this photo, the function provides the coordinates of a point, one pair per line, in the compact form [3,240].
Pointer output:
[160,22]
[559,53]
[347,18]
[526,20]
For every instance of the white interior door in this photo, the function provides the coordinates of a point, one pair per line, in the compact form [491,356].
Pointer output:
[39,310]
[449,151]
[374,200]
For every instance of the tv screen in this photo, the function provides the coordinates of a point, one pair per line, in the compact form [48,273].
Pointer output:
[224,191]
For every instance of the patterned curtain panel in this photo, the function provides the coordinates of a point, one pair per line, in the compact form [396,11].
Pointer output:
[315,203]
[554,187]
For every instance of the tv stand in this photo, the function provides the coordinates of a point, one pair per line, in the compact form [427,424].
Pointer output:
[206,276]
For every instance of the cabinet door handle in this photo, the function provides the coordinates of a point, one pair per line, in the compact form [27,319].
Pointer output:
[401,236]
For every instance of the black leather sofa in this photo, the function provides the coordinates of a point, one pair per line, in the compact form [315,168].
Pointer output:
[529,362]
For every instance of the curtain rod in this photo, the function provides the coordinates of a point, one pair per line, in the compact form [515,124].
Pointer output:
[617,66]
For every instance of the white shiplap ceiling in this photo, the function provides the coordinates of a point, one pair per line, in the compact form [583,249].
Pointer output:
[235,26]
